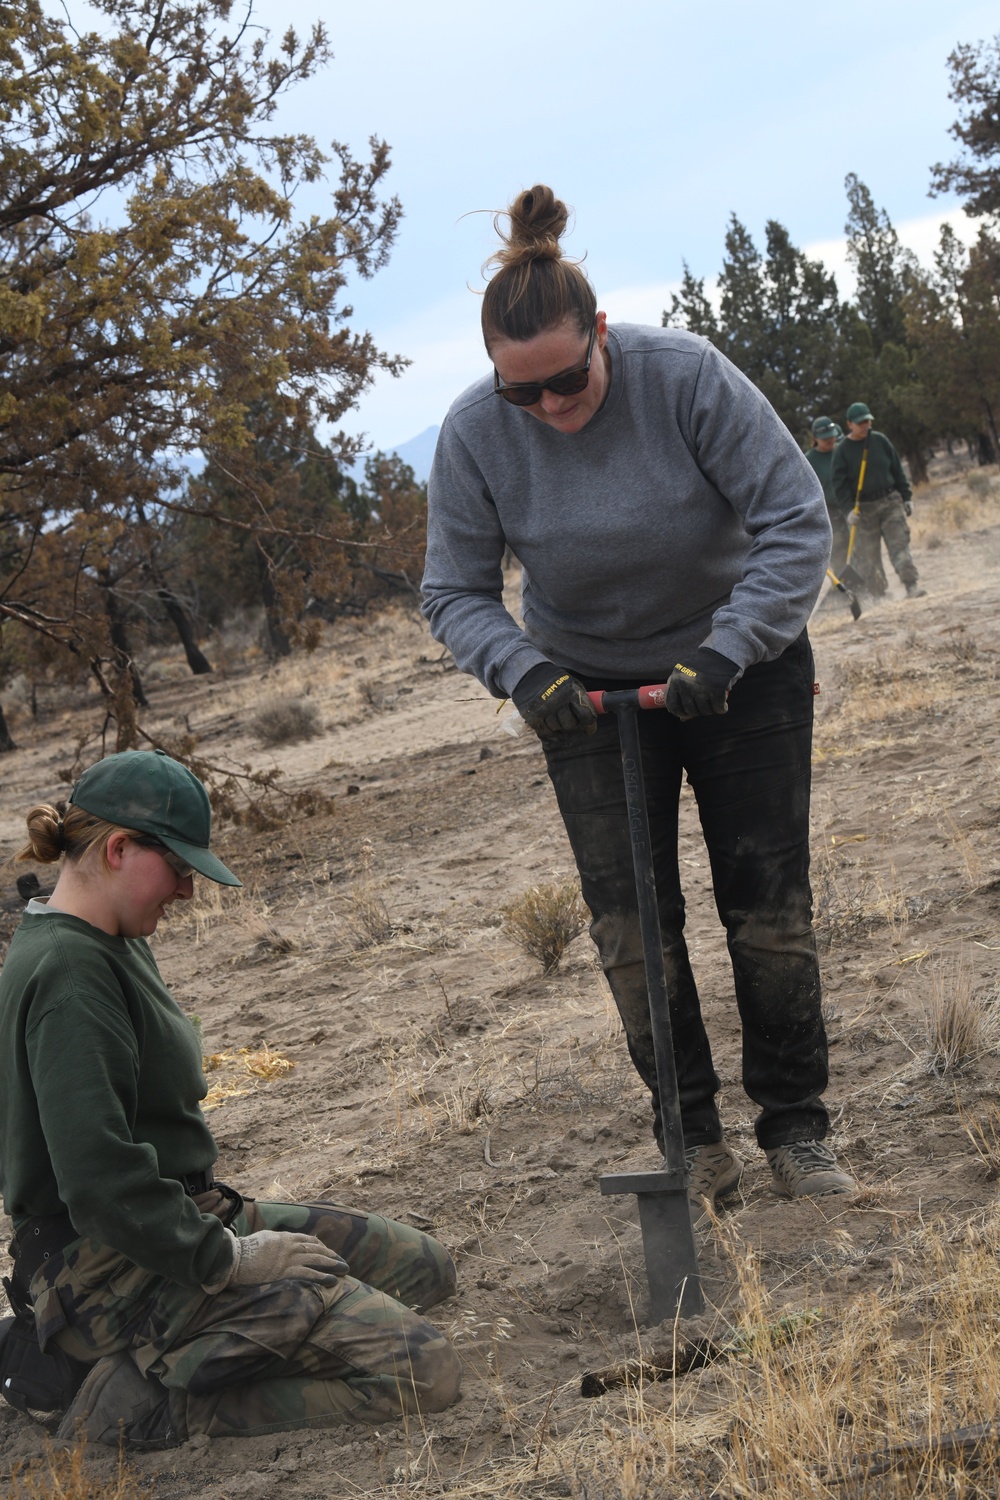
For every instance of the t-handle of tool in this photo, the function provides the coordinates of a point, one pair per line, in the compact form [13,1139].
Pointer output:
[610,700]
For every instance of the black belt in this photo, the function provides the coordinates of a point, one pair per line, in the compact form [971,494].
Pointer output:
[194,1183]
[878,495]
[40,1238]
[36,1241]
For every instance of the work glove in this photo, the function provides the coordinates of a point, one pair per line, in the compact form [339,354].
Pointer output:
[699,685]
[274,1255]
[552,702]
[908,507]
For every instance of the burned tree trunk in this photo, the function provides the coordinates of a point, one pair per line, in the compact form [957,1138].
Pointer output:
[182,623]
[279,643]
[6,743]
[917,460]
[118,634]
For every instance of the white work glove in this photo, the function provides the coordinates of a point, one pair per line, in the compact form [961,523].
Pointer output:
[274,1255]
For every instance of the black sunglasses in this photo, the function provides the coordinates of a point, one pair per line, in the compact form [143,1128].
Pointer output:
[179,866]
[528,393]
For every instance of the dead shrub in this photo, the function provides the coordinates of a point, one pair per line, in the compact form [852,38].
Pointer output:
[369,921]
[285,721]
[981,485]
[960,645]
[545,919]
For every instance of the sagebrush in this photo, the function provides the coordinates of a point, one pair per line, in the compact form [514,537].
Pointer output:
[545,919]
[285,721]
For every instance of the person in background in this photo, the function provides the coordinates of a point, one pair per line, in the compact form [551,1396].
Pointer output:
[668,527]
[884,502]
[191,1309]
[820,456]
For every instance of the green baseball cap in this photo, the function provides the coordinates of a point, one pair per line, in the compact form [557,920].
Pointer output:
[859,412]
[147,791]
[823,427]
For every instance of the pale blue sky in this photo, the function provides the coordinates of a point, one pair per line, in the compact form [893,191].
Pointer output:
[653,121]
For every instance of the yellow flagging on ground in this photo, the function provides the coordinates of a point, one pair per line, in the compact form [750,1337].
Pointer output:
[260,1063]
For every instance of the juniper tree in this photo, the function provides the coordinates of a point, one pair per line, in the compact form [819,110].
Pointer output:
[886,272]
[155,283]
[975,88]
[778,320]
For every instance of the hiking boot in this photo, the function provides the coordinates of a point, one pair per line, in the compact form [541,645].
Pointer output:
[808,1169]
[712,1170]
[116,1404]
[914,591]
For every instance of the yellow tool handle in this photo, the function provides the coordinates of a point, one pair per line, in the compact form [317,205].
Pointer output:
[856,512]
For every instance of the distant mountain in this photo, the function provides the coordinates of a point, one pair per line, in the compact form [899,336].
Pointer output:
[418,452]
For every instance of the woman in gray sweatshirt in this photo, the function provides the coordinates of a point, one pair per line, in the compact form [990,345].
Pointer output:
[669,529]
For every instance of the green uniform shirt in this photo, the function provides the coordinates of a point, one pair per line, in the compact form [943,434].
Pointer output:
[883,472]
[100,1083]
[823,464]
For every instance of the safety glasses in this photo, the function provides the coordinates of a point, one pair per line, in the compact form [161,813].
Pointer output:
[180,868]
[528,393]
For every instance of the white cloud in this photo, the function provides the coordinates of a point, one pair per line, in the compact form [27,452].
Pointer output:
[919,235]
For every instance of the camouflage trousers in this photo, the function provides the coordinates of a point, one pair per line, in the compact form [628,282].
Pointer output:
[258,1359]
[880,519]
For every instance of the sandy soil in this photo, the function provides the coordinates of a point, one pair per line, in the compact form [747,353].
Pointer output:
[438,1075]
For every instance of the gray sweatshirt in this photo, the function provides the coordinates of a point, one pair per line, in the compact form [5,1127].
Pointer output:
[683,514]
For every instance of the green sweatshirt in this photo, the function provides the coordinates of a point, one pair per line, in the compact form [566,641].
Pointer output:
[823,464]
[100,1083]
[883,472]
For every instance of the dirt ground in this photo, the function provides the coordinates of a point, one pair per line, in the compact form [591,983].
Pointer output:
[438,1076]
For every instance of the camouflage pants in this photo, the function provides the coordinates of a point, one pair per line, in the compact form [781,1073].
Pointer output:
[257,1359]
[883,518]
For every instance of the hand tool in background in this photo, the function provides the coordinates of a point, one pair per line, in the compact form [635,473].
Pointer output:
[850,576]
[839,583]
[664,1210]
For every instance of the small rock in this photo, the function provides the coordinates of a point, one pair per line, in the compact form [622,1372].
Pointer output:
[352,790]
[486,753]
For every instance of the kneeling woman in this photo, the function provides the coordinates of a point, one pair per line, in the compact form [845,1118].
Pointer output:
[197,1311]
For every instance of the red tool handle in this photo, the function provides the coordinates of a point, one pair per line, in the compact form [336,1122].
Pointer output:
[644,697]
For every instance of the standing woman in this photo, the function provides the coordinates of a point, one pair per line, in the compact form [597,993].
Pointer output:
[196,1311]
[668,528]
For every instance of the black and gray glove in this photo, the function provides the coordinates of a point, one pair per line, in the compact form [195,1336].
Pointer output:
[908,507]
[551,701]
[699,685]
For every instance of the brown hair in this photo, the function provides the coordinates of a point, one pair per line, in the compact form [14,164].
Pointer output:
[535,287]
[72,832]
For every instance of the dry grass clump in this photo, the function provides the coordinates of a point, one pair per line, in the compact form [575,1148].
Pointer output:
[970,508]
[896,1397]
[369,922]
[981,484]
[260,1062]
[62,1475]
[984,1133]
[286,721]
[964,1022]
[545,919]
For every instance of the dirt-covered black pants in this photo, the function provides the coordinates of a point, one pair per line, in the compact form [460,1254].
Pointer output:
[750,772]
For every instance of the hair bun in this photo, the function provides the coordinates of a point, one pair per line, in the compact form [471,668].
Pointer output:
[534,286]
[538,221]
